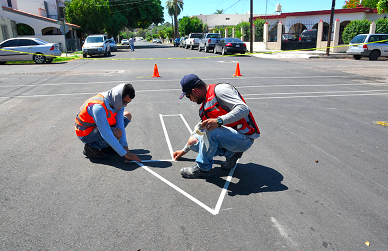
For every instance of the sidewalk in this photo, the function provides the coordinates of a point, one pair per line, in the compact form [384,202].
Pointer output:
[298,54]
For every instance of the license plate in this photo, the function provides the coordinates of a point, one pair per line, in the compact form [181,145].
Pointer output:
[237,45]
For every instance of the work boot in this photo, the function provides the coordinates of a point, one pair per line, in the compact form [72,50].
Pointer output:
[108,149]
[93,153]
[231,162]
[194,172]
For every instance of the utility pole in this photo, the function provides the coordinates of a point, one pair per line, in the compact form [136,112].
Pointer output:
[251,26]
[330,28]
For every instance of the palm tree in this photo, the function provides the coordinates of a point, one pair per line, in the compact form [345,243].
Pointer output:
[174,8]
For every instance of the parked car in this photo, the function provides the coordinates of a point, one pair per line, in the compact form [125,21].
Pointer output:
[154,40]
[27,49]
[288,38]
[193,40]
[369,45]
[158,41]
[308,36]
[176,42]
[182,42]
[96,45]
[125,42]
[113,45]
[208,41]
[230,45]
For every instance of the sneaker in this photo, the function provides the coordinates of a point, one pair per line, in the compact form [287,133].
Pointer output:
[93,153]
[231,163]
[194,172]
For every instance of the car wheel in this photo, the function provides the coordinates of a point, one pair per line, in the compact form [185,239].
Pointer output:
[3,62]
[39,58]
[374,55]
[206,49]
[223,51]
[85,55]
[357,57]
[49,61]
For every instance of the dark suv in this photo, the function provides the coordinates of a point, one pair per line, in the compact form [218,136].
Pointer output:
[308,36]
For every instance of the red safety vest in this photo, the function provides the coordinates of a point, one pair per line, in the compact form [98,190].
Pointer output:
[84,123]
[210,108]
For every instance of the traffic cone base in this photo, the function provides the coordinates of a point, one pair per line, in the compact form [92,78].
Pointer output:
[156,72]
[237,73]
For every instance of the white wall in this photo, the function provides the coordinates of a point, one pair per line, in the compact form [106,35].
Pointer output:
[224,19]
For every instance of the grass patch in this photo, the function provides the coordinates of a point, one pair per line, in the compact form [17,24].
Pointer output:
[57,59]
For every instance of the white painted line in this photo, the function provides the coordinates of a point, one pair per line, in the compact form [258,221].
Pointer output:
[166,135]
[294,93]
[324,96]
[282,231]
[223,192]
[212,211]
[184,121]
[150,160]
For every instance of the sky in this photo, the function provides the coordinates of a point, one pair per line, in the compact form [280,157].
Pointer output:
[207,7]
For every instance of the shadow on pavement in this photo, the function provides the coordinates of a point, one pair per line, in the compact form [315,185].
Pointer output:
[253,178]
[116,161]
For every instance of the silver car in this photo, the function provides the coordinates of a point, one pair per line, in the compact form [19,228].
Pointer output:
[369,45]
[27,49]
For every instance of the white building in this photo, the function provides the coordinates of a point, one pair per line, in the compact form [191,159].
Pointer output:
[44,18]
[215,20]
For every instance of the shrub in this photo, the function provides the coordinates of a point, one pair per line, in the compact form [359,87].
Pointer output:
[354,28]
[382,26]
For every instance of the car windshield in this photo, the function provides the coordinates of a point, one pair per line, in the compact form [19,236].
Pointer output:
[358,39]
[309,33]
[94,40]
[232,40]
[196,35]
[41,41]
[214,36]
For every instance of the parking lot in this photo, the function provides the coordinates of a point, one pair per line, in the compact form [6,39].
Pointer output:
[316,179]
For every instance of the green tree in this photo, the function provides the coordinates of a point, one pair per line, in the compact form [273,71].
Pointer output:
[140,14]
[354,28]
[92,15]
[259,29]
[24,29]
[189,25]
[219,11]
[116,24]
[382,6]
[382,26]
[174,8]
[370,3]
[351,4]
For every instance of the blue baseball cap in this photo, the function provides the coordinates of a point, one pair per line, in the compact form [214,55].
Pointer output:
[188,82]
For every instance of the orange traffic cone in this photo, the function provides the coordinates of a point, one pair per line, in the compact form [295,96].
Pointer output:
[237,73]
[156,72]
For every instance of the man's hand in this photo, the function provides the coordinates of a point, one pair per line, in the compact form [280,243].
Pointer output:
[177,154]
[131,156]
[209,124]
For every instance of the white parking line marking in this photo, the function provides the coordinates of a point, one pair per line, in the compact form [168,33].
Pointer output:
[166,135]
[282,231]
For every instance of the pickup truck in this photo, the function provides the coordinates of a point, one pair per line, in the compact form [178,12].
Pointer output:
[208,41]
[193,40]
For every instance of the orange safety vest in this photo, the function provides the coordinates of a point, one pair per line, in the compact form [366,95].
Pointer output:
[210,108]
[84,123]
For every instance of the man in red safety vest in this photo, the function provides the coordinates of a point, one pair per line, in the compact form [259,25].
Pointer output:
[101,121]
[227,126]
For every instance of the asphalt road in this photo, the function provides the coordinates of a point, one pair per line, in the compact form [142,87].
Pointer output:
[315,180]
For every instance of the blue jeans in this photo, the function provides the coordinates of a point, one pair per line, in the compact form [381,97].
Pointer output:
[95,140]
[223,141]
[132,47]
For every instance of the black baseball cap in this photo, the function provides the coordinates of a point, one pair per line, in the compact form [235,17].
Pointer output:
[188,82]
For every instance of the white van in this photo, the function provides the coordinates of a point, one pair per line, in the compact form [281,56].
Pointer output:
[96,45]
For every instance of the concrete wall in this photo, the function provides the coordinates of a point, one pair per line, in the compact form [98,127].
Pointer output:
[6,24]
[224,19]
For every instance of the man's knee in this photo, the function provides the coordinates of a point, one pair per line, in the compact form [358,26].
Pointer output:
[117,133]
[192,141]
[128,115]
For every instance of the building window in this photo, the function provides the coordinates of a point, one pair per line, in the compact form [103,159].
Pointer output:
[9,3]
[4,32]
[227,18]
